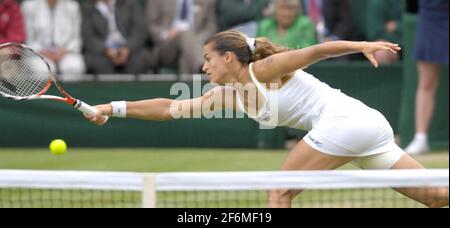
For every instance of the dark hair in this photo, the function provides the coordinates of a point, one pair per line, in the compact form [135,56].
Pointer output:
[235,41]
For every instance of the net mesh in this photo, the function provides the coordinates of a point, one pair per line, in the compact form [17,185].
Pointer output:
[23,73]
[329,189]
[312,198]
[67,198]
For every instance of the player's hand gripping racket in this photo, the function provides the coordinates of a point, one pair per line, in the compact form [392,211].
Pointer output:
[26,75]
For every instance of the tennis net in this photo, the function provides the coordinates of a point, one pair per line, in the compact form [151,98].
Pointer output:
[330,189]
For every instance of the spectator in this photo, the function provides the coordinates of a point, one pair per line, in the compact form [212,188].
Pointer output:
[332,19]
[113,37]
[179,28]
[384,24]
[241,14]
[11,22]
[53,28]
[432,50]
[288,27]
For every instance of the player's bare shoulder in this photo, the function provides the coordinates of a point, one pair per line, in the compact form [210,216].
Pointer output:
[262,69]
[265,71]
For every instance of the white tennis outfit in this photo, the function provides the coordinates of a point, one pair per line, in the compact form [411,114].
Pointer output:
[338,125]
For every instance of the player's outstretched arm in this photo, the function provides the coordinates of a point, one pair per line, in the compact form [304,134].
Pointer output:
[152,109]
[285,63]
[166,109]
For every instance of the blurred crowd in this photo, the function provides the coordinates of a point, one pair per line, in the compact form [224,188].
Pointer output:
[151,36]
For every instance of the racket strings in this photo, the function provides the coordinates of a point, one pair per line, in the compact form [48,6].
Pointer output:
[23,73]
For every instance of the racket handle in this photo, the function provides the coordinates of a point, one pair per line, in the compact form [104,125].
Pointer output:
[86,109]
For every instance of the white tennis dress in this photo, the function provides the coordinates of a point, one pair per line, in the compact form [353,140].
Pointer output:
[338,124]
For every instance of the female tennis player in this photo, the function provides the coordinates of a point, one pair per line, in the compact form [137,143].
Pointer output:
[341,129]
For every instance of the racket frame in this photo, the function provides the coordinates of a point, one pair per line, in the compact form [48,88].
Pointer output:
[78,104]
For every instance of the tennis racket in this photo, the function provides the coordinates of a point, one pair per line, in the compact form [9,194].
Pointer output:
[26,75]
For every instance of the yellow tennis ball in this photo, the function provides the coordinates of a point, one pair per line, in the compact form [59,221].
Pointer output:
[58,147]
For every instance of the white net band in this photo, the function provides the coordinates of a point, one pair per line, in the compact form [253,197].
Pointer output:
[225,180]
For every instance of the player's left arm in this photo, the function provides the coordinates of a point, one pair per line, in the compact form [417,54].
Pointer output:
[285,63]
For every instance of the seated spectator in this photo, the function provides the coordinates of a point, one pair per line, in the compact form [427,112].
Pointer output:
[241,15]
[11,22]
[288,27]
[384,24]
[114,38]
[332,19]
[179,28]
[53,28]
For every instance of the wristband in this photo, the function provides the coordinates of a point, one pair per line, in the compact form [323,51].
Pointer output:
[119,109]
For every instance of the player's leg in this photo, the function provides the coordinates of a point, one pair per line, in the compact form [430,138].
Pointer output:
[303,157]
[431,197]
[425,102]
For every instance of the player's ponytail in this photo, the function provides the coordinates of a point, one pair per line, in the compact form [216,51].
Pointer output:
[246,49]
[265,48]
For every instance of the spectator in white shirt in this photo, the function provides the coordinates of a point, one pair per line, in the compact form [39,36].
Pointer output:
[53,29]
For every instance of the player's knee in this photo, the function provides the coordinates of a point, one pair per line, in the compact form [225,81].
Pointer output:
[283,194]
[437,204]
[438,199]
[281,198]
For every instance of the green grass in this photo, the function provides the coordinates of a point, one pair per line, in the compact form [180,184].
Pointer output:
[142,160]
[164,160]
